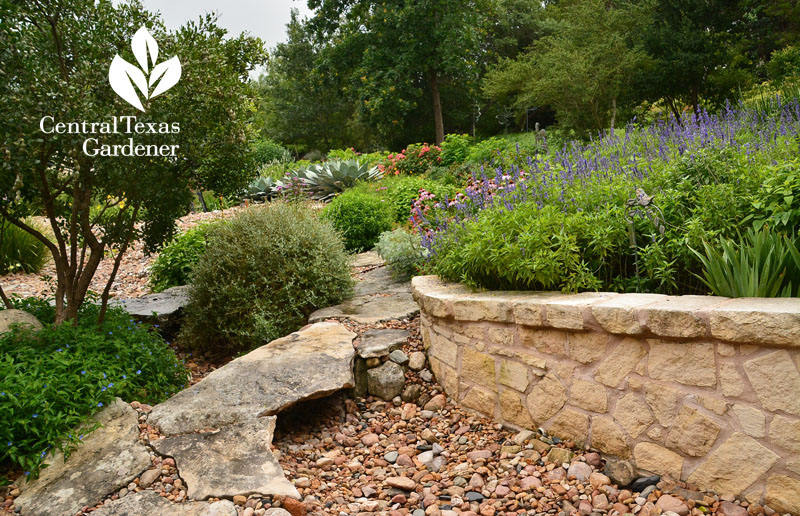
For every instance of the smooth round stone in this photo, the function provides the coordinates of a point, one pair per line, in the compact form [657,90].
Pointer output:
[391,457]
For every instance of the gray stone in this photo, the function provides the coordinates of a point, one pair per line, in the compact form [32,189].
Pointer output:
[360,376]
[106,461]
[391,457]
[621,472]
[426,375]
[416,362]
[370,309]
[165,306]
[411,393]
[379,343]
[367,259]
[398,357]
[236,460]
[311,363]
[149,503]
[386,381]
[277,511]
[22,318]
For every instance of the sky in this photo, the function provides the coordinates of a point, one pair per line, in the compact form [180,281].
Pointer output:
[265,19]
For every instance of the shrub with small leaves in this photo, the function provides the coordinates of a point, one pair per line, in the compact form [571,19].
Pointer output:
[402,192]
[402,251]
[360,218]
[53,380]
[263,273]
[174,264]
[267,151]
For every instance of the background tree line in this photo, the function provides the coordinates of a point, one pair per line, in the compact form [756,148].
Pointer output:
[384,73]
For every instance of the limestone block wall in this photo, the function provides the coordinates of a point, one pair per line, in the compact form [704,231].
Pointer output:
[700,388]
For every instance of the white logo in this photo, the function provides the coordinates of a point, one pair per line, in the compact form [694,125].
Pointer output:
[122,75]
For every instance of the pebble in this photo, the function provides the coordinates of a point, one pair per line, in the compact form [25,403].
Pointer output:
[403,483]
[398,357]
[416,361]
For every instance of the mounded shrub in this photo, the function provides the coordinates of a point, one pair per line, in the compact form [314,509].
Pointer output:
[402,251]
[21,251]
[360,218]
[263,272]
[268,151]
[174,264]
[52,380]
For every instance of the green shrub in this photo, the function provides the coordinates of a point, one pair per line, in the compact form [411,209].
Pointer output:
[530,248]
[266,151]
[21,251]
[360,218]
[402,251]
[372,159]
[263,272]
[777,202]
[52,380]
[784,64]
[762,264]
[455,149]
[173,266]
[401,193]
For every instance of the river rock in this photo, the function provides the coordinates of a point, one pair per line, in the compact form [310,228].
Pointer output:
[22,318]
[386,381]
[106,461]
[311,363]
[149,503]
[379,343]
[236,460]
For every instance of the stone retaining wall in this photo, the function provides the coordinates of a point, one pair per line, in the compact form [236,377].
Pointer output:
[700,388]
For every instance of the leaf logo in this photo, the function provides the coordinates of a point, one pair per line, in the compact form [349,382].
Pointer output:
[123,76]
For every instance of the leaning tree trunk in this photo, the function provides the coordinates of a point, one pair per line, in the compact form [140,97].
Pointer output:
[437,108]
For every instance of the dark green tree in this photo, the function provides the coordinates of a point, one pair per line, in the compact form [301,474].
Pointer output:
[55,57]
[400,52]
[581,69]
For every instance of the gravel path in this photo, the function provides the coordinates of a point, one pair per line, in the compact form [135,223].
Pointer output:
[132,276]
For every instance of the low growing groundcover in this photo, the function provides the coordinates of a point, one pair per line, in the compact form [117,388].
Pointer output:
[53,380]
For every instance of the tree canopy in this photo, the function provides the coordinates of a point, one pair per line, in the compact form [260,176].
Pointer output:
[55,64]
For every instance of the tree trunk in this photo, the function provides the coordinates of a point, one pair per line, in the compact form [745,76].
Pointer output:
[613,113]
[437,108]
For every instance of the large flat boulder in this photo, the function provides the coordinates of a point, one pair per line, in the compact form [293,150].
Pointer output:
[311,363]
[107,460]
[236,460]
[367,259]
[149,503]
[20,318]
[380,342]
[370,309]
[162,307]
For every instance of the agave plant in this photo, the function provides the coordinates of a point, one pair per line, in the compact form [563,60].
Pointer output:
[260,189]
[325,180]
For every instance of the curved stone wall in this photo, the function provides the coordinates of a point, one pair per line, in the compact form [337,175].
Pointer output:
[700,388]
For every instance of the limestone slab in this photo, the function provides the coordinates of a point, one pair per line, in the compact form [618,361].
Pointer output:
[619,314]
[680,316]
[776,381]
[774,321]
[546,398]
[311,363]
[620,362]
[381,342]
[149,503]
[693,433]
[657,459]
[723,472]
[158,307]
[107,460]
[370,309]
[690,363]
[235,460]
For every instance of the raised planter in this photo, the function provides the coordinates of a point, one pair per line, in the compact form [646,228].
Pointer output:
[700,388]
